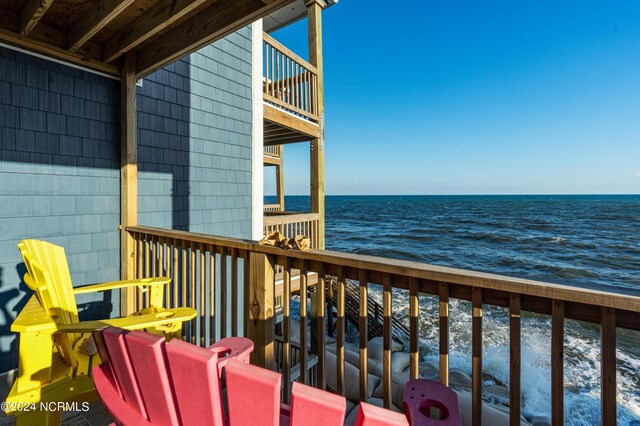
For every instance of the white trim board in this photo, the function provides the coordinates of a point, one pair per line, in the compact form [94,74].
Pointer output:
[257,133]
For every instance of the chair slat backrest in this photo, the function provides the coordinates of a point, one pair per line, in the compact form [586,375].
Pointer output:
[147,353]
[312,406]
[194,373]
[41,281]
[253,395]
[122,367]
[371,415]
[57,295]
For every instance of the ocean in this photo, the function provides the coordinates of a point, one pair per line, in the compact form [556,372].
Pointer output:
[588,241]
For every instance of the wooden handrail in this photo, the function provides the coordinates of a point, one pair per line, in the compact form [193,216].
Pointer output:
[290,82]
[282,48]
[190,259]
[430,275]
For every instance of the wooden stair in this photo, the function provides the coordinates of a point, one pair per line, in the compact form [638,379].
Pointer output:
[399,332]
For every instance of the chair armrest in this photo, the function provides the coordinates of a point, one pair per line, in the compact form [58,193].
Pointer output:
[34,318]
[133,322]
[144,282]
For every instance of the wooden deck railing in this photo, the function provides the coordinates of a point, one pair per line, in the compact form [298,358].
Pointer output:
[272,208]
[205,268]
[273,150]
[290,82]
[291,224]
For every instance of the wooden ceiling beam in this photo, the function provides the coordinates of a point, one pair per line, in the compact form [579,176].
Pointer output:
[287,140]
[164,14]
[102,12]
[31,13]
[216,21]
[289,121]
[54,52]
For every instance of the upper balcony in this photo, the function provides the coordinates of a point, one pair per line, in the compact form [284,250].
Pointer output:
[290,91]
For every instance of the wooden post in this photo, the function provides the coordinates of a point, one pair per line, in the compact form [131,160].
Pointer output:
[128,180]
[280,180]
[261,319]
[314,8]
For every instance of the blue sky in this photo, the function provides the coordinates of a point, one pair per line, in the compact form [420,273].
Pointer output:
[468,97]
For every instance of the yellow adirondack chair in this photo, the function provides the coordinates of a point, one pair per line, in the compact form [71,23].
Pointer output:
[53,367]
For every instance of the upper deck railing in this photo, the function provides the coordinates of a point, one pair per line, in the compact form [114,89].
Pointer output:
[205,268]
[290,82]
[291,224]
[274,151]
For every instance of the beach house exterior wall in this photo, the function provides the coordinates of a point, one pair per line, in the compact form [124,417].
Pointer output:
[60,162]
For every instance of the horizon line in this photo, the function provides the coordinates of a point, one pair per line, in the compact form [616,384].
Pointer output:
[462,195]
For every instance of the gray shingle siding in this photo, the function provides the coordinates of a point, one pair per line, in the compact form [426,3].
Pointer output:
[194,141]
[59,162]
[59,177]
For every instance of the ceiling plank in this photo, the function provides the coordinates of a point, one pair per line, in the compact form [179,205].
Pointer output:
[31,13]
[213,23]
[102,12]
[55,52]
[164,14]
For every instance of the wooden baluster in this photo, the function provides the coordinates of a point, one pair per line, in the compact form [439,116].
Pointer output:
[212,294]
[192,294]
[164,269]
[317,308]
[364,334]
[139,271]
[290,81]
[153,256]
[203,298]
[340,332]
[315,95]
[330,308]
[514,350]
[303,323]
[175,275]
[267,83]
[608,366]
[414,331]
[297,85]
[557,362]
[273,71]
[234,292]
[184,282]
[280,75]
[247,302]
[286,324]
[443,290]
[386,331]
[308,104]
[147,270]
[223,292]
[476,350]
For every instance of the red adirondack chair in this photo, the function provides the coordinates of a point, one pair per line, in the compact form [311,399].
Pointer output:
[145,381]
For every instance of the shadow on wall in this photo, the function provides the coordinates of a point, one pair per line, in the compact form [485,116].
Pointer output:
[164,104]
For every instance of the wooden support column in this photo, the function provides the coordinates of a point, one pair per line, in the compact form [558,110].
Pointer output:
[314,8]
[128,180]
[261,316]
